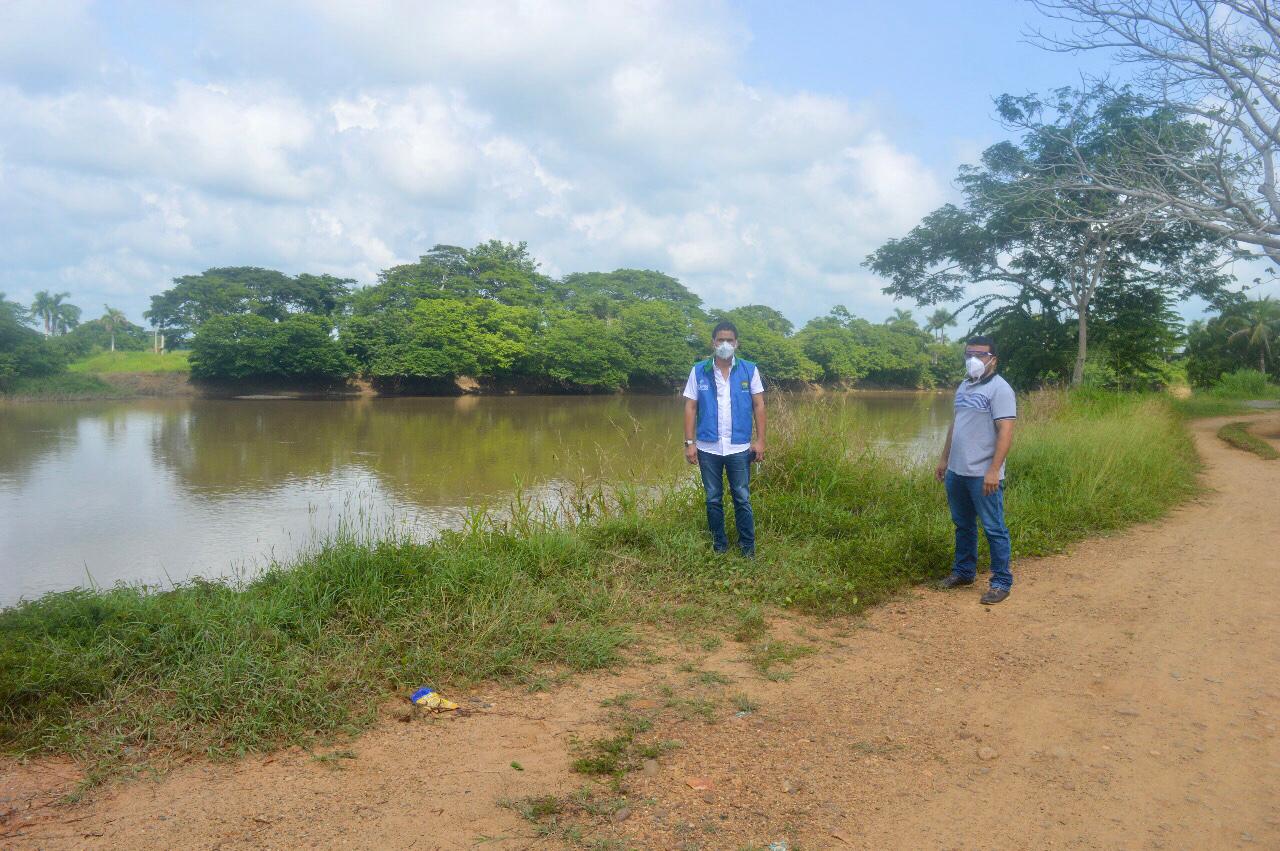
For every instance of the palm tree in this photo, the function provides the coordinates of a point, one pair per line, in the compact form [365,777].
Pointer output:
[113,320]
[45,308]
[901,318]
[940,321]
[65,317]
[1258,323]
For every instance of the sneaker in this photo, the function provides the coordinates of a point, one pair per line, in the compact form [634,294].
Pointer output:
[994,595]
[953,581]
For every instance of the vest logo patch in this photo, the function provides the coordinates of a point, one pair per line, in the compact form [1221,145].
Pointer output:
[702,385]
[744,385]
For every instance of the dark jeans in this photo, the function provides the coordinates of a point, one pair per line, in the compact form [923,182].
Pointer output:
[968,505]
[738,468]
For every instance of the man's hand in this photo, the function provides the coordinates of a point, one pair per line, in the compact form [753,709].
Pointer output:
[940,471]
[757,450]
[991,481]
[691,453]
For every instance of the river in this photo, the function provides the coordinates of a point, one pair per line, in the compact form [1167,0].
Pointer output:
[159,491]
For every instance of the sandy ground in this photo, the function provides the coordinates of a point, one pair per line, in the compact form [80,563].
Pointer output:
[1126,696]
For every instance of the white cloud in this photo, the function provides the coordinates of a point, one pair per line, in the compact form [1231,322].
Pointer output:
[606,135]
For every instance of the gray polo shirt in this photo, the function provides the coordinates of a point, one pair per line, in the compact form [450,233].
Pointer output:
[979,404]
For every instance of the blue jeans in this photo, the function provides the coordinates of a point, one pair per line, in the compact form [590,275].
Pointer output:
[738,468]
[968,505]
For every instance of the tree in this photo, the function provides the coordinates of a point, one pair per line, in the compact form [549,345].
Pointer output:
[52,310]
[1215,62]
[761,339]
[235,290]
[659,340]
[439,340]
[248,346]
[757,315]
[604,294]
[1255,323]
[584,352]
[1021,233]
[939,321]
[113,320]
[494,270]
[23,352]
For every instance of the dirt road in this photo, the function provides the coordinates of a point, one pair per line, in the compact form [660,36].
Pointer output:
[1126,696]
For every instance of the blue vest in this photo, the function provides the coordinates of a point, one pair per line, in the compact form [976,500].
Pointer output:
[739,401]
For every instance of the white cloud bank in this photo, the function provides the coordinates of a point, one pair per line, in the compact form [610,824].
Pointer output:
[344,138]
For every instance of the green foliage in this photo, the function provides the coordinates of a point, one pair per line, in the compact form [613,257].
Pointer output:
[605,294]
[1245,384]
[236,290]
[440,339]
[660,342]
[24,353]
[1243,335]
[895,354]
[233,348]
[95,335]
[496,271]
[780,357]
[54,313]
[582,351]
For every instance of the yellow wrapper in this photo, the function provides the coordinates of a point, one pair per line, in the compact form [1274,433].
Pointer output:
[435,702]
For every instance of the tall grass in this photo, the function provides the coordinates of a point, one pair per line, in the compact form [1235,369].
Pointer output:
[100,362]
[62,387]
[310,649]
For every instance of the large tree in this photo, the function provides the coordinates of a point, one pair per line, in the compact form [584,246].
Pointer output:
[1021,233]
[1215,62]
[236,290]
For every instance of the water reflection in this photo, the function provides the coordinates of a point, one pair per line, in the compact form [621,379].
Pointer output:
[160,490]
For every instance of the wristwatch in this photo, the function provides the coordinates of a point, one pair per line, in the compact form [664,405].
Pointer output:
[689,442]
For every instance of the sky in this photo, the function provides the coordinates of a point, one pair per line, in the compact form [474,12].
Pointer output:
[757,151]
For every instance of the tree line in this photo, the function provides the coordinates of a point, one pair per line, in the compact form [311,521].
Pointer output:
[487,313]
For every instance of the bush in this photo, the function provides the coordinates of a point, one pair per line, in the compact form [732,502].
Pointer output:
[236,348]
[24,353]
[1244,384]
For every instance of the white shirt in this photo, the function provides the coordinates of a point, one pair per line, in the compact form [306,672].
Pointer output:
[724,414]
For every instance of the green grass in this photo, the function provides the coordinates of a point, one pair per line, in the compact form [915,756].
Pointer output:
[68,385]
[308,651]
[176,361]
[1238,435]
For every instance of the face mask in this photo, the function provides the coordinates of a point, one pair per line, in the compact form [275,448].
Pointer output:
[724,350]
[975,368]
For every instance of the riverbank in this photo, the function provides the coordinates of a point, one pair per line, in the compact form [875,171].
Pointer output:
[120,677]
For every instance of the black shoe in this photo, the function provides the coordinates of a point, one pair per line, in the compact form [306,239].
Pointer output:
[953,581]
[993,596]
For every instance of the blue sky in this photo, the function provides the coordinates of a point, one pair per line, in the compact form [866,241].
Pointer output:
[756,150]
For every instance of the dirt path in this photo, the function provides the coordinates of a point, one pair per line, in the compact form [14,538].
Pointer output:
[1127,696]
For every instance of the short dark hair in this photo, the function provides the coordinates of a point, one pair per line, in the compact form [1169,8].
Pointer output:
[724,325]
[982,340]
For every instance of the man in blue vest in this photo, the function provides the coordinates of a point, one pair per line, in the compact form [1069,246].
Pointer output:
[723,396]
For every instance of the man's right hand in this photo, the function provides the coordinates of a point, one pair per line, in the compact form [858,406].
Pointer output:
[691,453]
[940,472]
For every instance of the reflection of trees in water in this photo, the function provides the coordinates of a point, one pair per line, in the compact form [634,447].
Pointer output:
[427,451]
[217,446]
[31,432]
[433,451]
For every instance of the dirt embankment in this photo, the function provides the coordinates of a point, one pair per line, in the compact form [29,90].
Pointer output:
[1126,696]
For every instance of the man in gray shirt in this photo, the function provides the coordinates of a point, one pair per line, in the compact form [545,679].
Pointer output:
[972,467]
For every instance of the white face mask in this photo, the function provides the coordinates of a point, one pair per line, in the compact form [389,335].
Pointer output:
[724,350]
[975,367]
